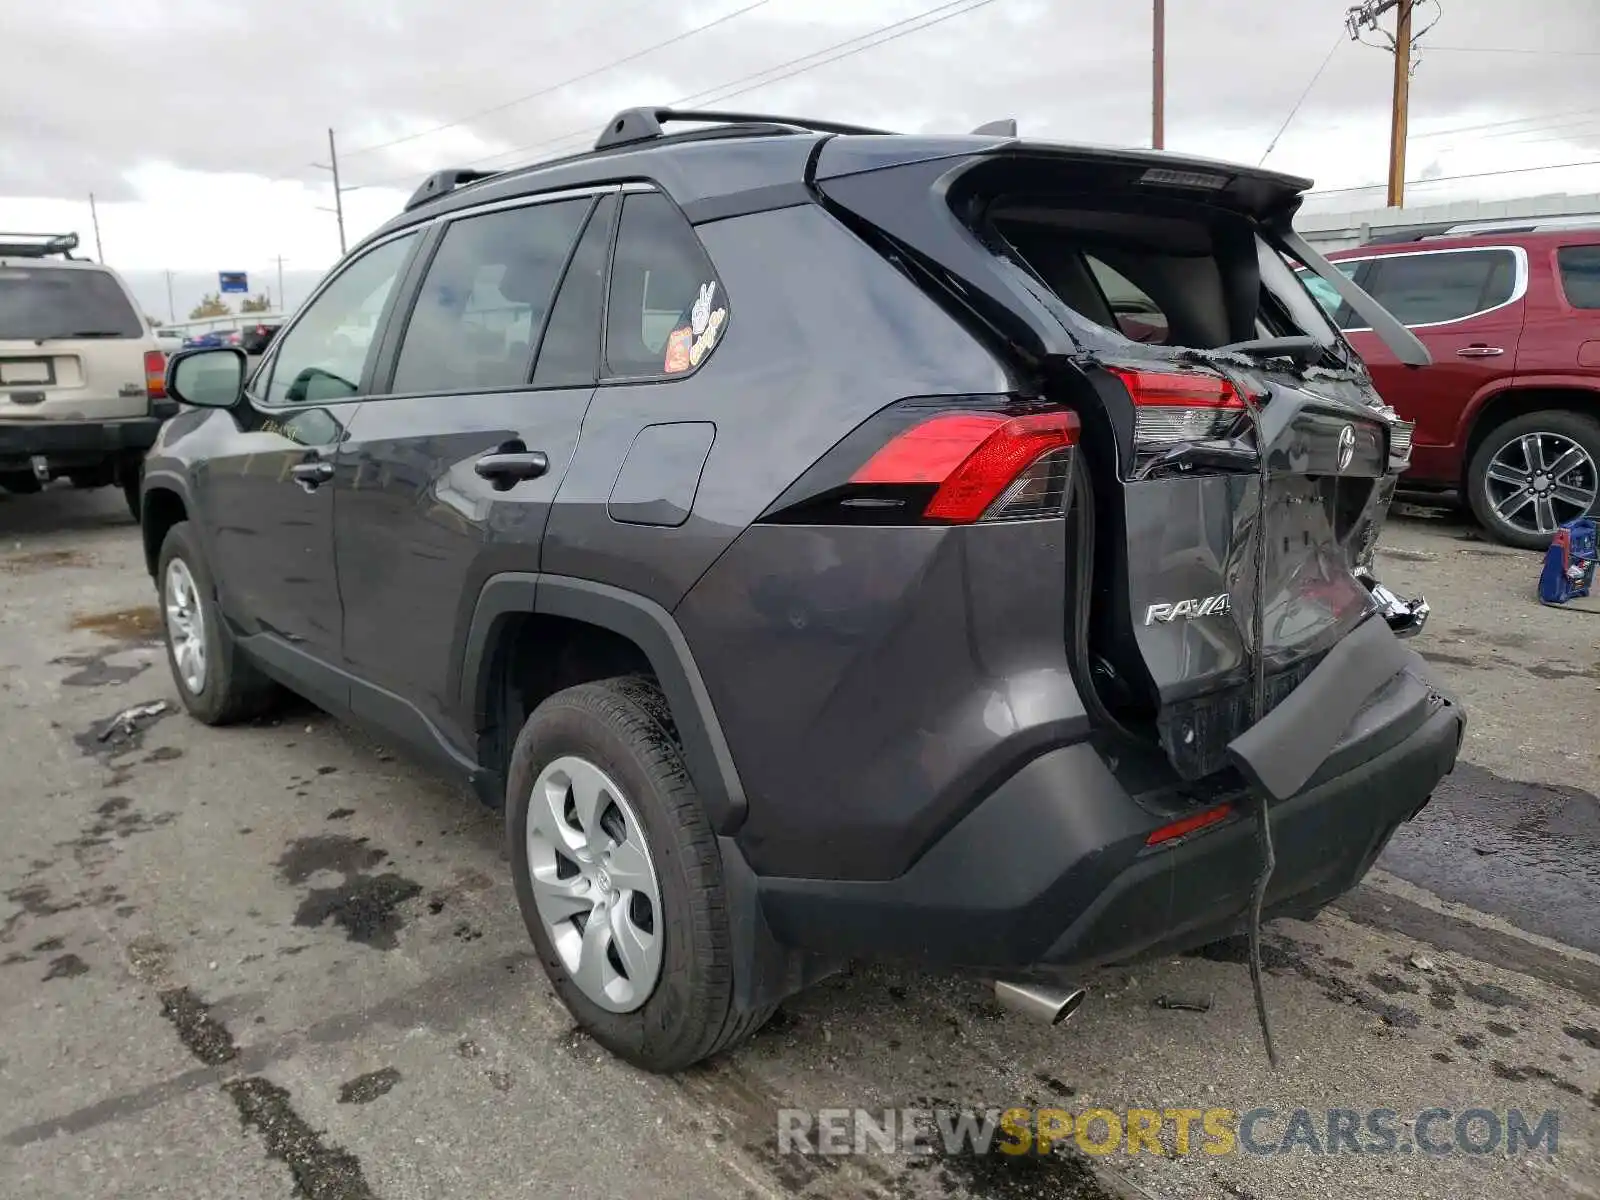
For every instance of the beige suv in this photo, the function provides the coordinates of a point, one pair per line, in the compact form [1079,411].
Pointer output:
[82,377]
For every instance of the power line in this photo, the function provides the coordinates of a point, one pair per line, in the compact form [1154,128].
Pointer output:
[1338,41]
[926,19]
[1367,187]
[1515,50]
[1513,121]
[554,87]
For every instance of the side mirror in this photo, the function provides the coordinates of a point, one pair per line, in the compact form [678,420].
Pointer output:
[207,378]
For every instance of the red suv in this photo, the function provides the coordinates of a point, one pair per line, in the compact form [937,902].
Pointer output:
[1509,412]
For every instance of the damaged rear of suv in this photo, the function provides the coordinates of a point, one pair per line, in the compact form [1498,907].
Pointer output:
[955,549]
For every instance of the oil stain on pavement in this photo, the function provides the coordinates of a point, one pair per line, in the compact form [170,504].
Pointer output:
[319,1171]
[1526,852]
[365,906]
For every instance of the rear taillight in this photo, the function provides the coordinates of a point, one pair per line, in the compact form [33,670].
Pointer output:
[155,375]
[984,467]
[1173,407]
[943,462]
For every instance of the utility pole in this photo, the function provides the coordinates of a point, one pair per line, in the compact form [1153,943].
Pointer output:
[338,192]
[172,312]
[338,196]
[94,217]
[1158,76]
[1402,102]
[1364,16]
[281,305]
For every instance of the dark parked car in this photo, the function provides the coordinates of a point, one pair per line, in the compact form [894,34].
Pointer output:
[772,519]
[1509,413]
[254,339]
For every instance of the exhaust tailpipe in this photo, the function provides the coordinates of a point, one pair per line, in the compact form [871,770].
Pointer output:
[1052,1005]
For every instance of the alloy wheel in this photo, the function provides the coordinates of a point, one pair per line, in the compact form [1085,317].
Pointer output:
[1539,481]
[186,626]
[594,883]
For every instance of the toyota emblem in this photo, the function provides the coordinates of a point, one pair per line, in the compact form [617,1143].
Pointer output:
[1347,446]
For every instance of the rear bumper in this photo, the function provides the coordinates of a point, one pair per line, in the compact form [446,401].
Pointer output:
[77,441]
[1051,873]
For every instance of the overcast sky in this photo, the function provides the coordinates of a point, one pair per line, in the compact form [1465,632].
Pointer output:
[196,122]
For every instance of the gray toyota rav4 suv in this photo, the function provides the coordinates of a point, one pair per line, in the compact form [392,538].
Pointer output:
[827,543]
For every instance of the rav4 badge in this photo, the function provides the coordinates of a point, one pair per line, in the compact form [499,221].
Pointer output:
[1187,610]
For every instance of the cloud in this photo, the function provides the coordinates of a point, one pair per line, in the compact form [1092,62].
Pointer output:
[196,122]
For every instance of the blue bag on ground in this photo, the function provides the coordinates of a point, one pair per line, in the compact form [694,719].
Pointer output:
[1569,563]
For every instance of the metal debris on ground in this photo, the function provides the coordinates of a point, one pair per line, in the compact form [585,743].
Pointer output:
[1184,1003]
[127,722]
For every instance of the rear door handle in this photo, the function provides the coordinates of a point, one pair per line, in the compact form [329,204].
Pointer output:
[311,475]
[1479,351]
[506,469]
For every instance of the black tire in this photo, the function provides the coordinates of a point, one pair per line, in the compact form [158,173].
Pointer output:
[87,480]
[130,493]
[234,689]
[623,726]
[20,483]
[1576,427]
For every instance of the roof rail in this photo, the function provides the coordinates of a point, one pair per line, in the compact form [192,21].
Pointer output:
[1525,224]
[37,245]
[442,183]
[634,125]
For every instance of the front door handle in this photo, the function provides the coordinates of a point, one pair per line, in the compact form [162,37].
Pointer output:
[505,470]
[312,475]
[1479,351]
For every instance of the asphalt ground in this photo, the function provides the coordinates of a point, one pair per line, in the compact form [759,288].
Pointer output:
[276,960]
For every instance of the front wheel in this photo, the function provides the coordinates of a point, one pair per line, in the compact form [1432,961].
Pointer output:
[619,878]
[217,684]
[1534,474]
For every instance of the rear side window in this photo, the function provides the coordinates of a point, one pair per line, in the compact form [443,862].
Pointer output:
[1426,289]
[64,303]
[484,299]
[666,309]
[1580,275]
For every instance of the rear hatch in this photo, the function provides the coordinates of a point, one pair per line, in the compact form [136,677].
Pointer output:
[1221,412]
[72,345]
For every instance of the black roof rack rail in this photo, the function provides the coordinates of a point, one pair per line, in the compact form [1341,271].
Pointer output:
[442,183]
[37,245]
[634,125]
[1003,128]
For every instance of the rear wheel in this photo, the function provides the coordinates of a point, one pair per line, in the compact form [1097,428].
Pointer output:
[619,879]
[1535,473]
[20,483]
[216,683]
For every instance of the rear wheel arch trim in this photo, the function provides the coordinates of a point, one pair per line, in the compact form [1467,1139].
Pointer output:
[1478,418]
[647,625]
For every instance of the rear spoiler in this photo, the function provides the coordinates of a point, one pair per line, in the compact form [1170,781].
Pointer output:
[1405,344]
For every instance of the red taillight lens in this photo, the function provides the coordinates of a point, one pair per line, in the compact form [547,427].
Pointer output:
[1179,406]
[985,466]
[1190,824]
[155,375]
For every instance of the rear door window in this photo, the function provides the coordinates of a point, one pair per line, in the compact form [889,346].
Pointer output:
[1323,293]
[666,309]
[1580,275]
[1430,289]
[483,302]
[569,352]
[64,302]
